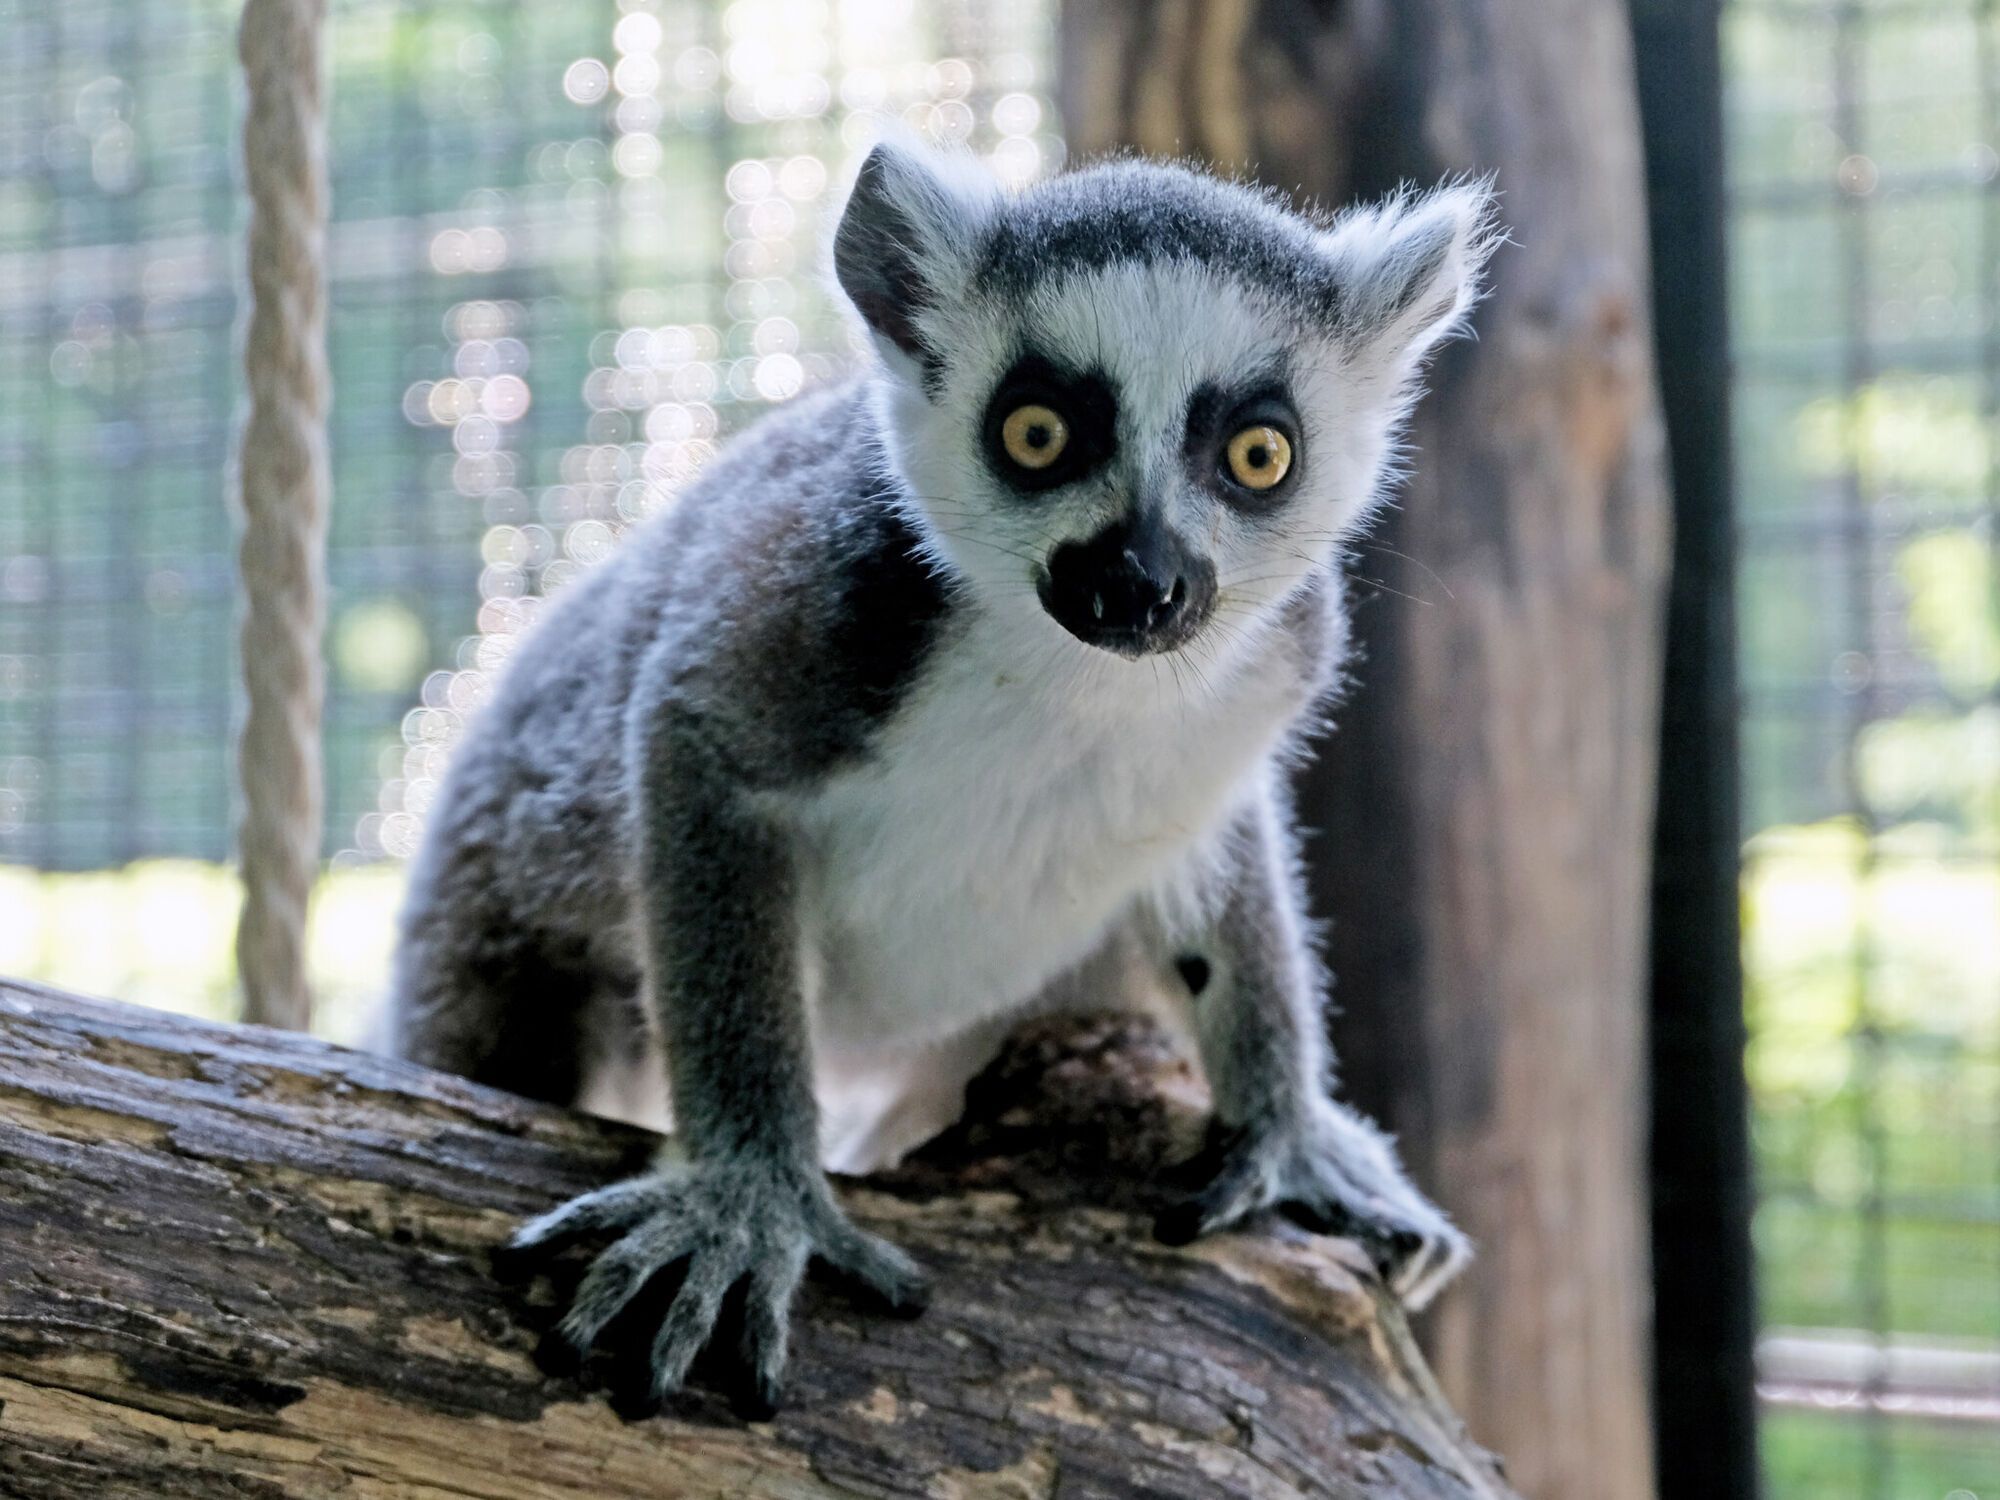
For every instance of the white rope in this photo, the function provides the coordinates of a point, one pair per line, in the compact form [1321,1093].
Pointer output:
[281,499]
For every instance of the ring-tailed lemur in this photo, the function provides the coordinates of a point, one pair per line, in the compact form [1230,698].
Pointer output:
[938,688]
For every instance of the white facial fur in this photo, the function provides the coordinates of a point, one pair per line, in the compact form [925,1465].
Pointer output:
[1157,333]
[1157,330]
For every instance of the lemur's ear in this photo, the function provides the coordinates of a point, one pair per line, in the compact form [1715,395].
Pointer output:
[1410,270]
[906,237]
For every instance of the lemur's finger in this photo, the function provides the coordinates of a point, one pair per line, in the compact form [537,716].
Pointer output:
[1414,1283]
[690,1321]
[767,1327]
[1409,1268]
[1450,1253]
[1400,1252]
[619,1206]
[615,1277]
[1179,1224]
[877,1268]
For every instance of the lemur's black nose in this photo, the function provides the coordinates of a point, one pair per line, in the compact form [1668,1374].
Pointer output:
[1132,588]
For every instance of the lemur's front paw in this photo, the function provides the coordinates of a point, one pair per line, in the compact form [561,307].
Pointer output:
[1337,1175]
[727,1229]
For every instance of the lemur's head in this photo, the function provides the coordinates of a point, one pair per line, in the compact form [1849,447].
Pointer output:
[1145,398]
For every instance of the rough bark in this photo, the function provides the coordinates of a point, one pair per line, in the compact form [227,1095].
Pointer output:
[1485,802]
[238,1262]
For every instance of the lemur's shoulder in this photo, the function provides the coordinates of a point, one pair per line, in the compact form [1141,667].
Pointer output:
[794,601]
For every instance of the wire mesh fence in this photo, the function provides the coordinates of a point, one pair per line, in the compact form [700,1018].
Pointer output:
[572,247]
[1865,234]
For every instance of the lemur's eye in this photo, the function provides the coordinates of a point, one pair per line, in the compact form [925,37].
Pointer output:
[1259,457]
[1034,436]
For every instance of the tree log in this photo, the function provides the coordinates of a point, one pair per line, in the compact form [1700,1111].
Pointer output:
[240,1262]
[1484,804]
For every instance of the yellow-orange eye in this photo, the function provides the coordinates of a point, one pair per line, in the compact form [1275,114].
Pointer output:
[1259,457]
[1034,436]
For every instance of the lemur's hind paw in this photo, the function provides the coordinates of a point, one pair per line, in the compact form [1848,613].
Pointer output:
[1336,1175]
[728,1231]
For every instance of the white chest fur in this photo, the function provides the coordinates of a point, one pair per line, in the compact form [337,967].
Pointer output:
[1006,818]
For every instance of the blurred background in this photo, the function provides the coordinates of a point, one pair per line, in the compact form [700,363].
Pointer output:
[574,248]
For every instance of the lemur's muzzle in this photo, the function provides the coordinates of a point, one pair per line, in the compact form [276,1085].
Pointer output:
[1135,587]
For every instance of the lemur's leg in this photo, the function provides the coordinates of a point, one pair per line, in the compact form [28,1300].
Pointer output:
[478,993]
[749,1205]
[1282,1140]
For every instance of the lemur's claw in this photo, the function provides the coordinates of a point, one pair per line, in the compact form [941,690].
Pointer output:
[634,1399]
[755,1400]
[1414,1247]
[1422,1263]
[729,1236]
[1179,1224]
[513,1265]
[756,1385]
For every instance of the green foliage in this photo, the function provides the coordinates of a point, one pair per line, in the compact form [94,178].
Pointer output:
[159,933]
[1898,435]
[1875,1069]
[1822,1455]
[1954,593]
[1931,764]
[379,647]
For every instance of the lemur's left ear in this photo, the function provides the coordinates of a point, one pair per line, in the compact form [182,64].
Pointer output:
[1410,270]
[906,237]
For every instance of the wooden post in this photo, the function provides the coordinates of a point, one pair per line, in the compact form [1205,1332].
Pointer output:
[1486,800]
[237,1261]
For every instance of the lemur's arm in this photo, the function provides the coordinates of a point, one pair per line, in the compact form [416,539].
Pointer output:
[1281,1139]
[720,908]
[750,1203]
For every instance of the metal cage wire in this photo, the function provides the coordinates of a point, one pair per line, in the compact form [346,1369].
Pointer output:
[1864,216]
[571,245]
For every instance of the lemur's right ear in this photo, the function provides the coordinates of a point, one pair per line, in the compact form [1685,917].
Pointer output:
[1410,271]
[906,238]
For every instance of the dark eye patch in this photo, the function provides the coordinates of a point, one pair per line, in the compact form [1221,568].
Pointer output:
[1216,414]
[1082,398]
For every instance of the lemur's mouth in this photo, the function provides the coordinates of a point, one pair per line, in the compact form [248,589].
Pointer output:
[1135,588]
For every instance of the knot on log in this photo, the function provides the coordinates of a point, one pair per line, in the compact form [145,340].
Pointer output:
[236,1261]
[1090,1110]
